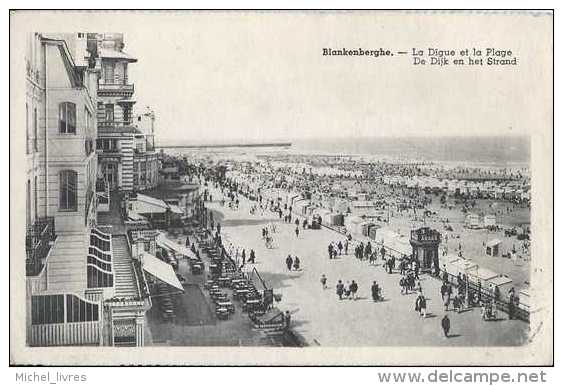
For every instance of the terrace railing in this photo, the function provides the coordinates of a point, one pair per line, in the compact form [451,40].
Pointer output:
[38,241]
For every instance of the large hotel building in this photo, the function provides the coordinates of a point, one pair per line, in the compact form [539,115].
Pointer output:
[83,286]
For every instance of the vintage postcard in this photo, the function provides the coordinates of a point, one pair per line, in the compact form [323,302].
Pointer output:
[281,187]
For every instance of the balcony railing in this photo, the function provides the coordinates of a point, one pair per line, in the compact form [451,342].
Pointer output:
[39,237]
[426,234]
[113,123]
[116,88]
[101,185]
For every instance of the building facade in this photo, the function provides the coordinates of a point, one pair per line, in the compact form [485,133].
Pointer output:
[72,276]
[145,160]
[127,160]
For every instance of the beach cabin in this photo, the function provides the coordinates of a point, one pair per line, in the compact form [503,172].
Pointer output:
[503,283]
[352,224]
[525,300]
[463,267]
[472,221]
[324,214]
[493,247]
[337,219]
[490,221]
[363,196]
[482,275]
[340,206]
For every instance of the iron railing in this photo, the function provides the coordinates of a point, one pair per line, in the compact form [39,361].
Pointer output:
[116,87]
[39,237]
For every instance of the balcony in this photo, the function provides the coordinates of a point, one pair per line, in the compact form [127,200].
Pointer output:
[101,185]
[116,89]
[113,124]
[426,235]
[38,241]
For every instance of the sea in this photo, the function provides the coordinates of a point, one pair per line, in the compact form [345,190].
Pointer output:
[505,151]
[496,152]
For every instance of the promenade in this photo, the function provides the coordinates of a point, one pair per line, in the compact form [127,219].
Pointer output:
[320,318]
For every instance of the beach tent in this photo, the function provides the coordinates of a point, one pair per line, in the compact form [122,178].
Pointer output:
[493,247]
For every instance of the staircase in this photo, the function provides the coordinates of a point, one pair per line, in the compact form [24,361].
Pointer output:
[124,276]
[66,266]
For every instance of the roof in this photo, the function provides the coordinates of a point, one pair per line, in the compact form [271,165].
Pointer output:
[147,204]
[170,189]
[493,243]
[484,274]
[108,53]
[500,280]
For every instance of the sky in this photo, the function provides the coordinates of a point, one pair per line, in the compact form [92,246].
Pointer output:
[218,76]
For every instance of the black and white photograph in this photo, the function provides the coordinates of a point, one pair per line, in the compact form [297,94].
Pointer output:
[281,187]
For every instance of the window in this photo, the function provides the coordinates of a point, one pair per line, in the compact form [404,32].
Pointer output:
[126,114]
[47,309]
[109,73]
[109,112]
[35,123]
[78,310]
[67,118]
[68,190]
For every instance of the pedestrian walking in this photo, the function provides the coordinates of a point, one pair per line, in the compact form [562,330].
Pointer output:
[289,262]
[339,289]
[353,289]
[296,263]
[297,231]
[346,246]
[375,291]
[347,291]
[287,320]
[421,305]
[340,248]
[323,281]
[445,291]
[446,325]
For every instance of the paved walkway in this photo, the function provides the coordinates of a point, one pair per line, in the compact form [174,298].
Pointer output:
[321,319]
